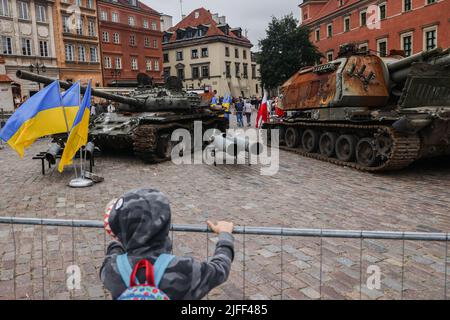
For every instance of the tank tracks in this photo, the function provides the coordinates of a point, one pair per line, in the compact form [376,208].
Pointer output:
[405,148]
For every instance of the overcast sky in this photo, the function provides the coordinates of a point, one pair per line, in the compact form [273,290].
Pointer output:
[253,15]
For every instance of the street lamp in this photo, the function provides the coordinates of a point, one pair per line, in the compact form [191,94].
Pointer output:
[116,74]
[39,67]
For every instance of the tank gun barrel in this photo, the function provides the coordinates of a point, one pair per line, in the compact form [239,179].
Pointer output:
[66,85]
[399,70]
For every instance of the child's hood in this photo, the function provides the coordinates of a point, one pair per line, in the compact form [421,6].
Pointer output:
[141,221]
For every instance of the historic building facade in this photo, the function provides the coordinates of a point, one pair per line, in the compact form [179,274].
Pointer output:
[27,42]
[205,52]
[377,25]
[77,41]
[130,42]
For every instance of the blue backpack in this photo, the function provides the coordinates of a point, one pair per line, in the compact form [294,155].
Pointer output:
[153,274]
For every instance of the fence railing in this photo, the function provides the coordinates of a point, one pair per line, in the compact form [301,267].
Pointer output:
[282,233]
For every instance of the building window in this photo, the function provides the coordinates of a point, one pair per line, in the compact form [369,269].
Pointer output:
[228,69]
[382,47]
[166,57]
[194,54]
[7,45]
[26,46]
[237,69]
[24,12]
[81,54]
[245,54]
[363,47]
[245,70]
[166,73]
[147,42]
[134,63]
[195,73]
[69,52]
[205,52]
[346,24]
[236,53]
[80,26]
[253,71]
[180,74]
[103,15]
[132,40]
[179,55]
[407,5]
[363,18]
[317,34]
[145,24]
[116,38]
[65,23]
[205,71]
[148,64]
[90,4]
[430,38]
[114,17]
[407,46]
[105,36]
[330,30]
[155,43]
[131,21]
[91,28]
[227,51]
[154,26]
[133,3]
[4,8]
[41,13]
[431,1]
[93,52]
[43,48]
[382,8]
[118,62]
[107,63]
[156,65]
[329,56]
[78,3]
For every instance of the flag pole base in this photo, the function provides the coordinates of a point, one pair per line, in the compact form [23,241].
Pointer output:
[81,183]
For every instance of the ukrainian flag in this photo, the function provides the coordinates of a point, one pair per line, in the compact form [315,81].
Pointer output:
[39,116]
[71,103]
[78,136]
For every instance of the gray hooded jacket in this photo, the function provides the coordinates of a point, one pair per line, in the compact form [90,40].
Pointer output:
[141,221]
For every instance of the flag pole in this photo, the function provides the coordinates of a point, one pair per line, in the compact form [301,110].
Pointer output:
[68,133]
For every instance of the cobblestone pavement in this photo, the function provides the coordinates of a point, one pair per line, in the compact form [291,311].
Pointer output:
[306,193]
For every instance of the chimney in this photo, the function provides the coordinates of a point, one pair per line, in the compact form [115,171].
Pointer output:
[222,20]
[166,22]
[215,17]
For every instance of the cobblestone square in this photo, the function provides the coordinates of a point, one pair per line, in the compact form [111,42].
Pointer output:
[306,193]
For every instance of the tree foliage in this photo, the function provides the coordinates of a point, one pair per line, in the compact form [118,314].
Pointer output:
[284,51]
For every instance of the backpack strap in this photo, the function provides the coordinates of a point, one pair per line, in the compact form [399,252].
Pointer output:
[160,267]
[125,270]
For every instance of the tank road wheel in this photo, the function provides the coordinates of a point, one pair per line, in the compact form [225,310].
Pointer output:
[366,152]
[164,147]
[292,137]
[327,144]
[310,140]
[345,147]
[282,133]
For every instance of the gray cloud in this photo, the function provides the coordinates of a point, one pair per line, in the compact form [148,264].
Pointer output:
[253,15]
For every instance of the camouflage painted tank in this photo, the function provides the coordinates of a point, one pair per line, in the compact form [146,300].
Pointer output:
[144,121]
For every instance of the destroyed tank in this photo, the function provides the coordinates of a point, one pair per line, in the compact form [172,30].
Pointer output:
[368,112]
[143,122]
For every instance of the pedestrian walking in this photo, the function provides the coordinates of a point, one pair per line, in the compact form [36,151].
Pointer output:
[239,107]
[248,112]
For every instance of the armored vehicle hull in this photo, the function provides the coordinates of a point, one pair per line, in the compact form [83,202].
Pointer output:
[368,113]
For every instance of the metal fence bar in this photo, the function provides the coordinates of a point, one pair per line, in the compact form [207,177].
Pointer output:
[262,231]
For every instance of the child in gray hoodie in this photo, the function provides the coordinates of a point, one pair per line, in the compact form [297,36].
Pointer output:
[141,221]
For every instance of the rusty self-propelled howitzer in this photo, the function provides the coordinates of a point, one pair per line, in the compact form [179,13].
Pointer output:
[367,112]
[144,121]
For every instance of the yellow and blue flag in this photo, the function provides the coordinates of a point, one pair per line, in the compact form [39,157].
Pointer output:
[71,102]
[78,136]
[39,116]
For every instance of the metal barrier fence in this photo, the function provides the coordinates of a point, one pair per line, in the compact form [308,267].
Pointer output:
[244,231]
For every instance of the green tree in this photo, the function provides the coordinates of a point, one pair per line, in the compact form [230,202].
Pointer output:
[284,51]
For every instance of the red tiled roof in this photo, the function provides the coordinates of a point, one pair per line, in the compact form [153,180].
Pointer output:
[204,17]
[332,6]
[140,6]
[4,78]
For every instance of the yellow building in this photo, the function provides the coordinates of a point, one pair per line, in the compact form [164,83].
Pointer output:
[205,52]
